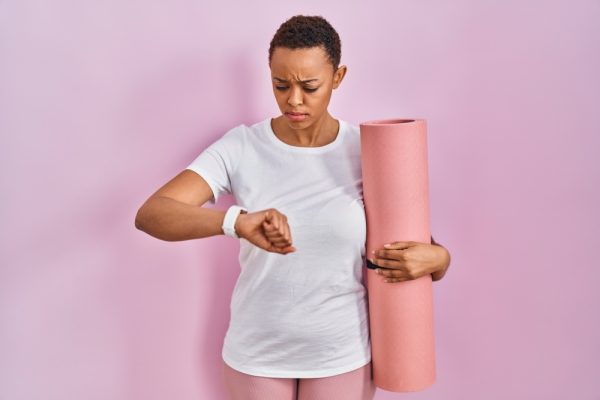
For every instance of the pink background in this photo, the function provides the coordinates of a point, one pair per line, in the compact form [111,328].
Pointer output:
[103,102]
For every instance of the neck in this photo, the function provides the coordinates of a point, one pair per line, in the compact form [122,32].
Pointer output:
[321,132]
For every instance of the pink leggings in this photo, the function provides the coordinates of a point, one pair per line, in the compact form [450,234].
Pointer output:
[353,385]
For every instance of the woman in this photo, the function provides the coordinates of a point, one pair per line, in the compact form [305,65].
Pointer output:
[299,322]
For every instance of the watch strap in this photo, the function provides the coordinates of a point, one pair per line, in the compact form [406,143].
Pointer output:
[229,220]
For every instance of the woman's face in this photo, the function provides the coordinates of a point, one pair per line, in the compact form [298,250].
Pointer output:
[302,83]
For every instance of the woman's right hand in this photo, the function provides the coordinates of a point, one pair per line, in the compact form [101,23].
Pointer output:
[267,229]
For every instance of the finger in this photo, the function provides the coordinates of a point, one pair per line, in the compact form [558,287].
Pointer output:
[280,241]
[264,243]
[394,274]
[271,231]
[282,229]
[288,232]
[388,263]
[400,245]
[270,228]
[288,249]
[395,254]
[268,215]
[276,221]
[391,273]
[281,250]
[392,280]
[277,238]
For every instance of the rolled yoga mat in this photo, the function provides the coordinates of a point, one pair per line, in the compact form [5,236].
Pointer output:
[396,198]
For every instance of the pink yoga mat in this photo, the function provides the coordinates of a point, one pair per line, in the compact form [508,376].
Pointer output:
[396,199]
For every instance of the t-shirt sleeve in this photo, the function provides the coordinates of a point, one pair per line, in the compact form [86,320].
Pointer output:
[217,162]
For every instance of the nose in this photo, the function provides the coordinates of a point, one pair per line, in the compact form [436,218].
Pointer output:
[295,98]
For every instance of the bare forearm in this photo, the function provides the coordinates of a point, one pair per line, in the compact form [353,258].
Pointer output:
[170,220]
[439,274]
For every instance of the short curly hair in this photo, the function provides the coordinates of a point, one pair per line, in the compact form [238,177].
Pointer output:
[304,31]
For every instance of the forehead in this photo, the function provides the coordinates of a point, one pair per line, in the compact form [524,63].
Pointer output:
[299,63]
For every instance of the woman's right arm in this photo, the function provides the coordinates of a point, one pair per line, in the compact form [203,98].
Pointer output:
[175,213]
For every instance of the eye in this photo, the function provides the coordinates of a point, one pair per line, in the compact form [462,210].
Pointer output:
[282,88]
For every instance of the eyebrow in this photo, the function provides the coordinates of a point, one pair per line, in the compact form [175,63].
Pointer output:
[306,81]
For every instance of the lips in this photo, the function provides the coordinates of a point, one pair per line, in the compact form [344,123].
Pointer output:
[295,113]
[295,117]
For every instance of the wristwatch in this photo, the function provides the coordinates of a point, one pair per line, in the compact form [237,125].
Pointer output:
[230,218]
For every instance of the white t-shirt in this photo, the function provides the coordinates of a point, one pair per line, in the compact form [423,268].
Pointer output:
[304,314]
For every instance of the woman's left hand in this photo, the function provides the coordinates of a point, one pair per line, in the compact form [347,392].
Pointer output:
[402,261]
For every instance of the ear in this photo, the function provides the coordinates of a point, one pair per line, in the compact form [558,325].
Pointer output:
[338,76]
